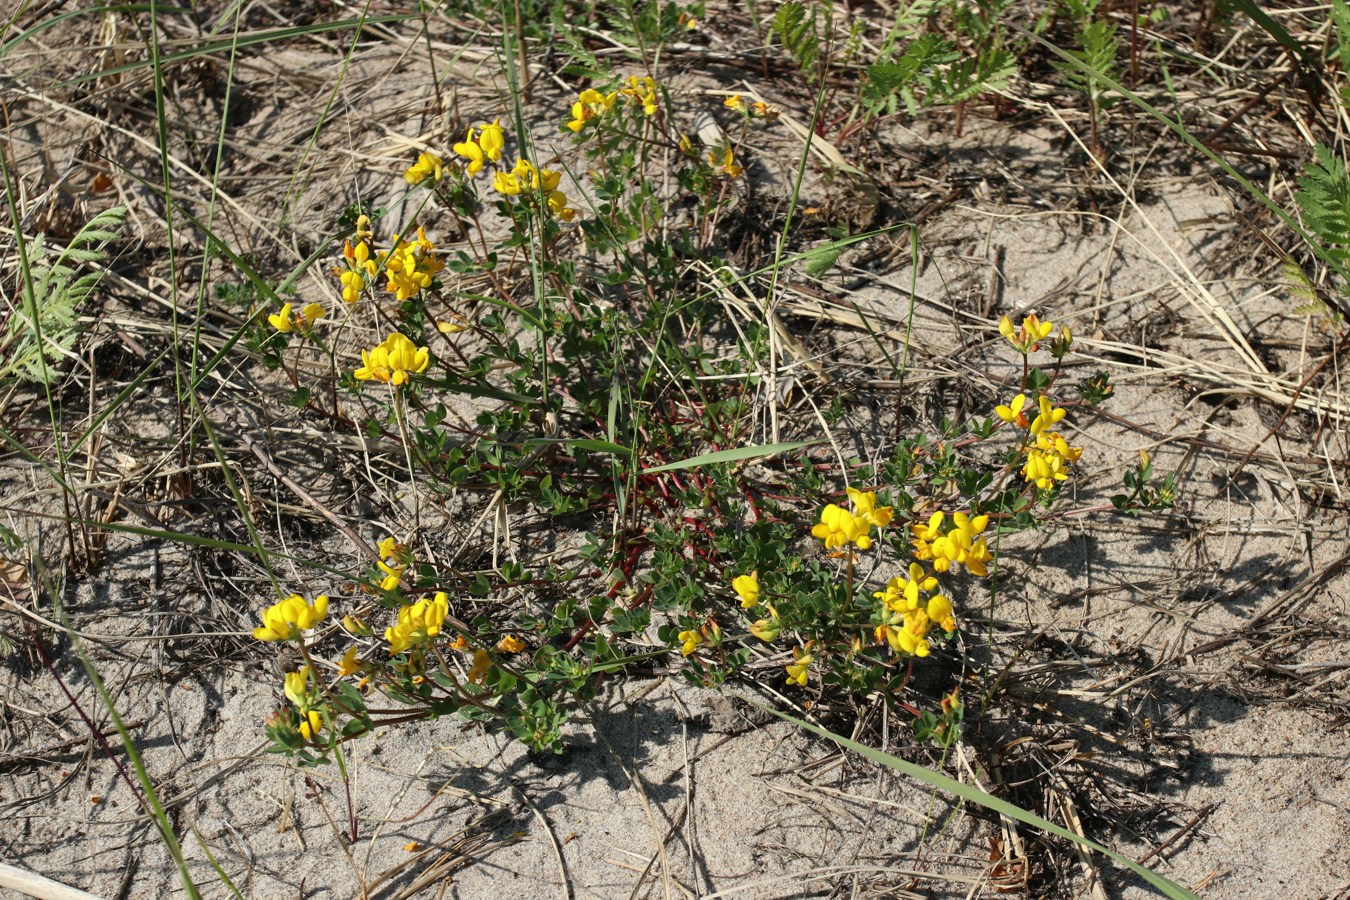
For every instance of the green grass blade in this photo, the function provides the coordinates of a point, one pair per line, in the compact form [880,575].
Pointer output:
[735,455]
[974,795]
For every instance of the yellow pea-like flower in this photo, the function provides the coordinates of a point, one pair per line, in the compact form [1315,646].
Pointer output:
[289,618]
[747,587]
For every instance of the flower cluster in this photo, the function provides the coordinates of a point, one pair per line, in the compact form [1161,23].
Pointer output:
[417,622]
[590,106]
[481,145]
[907,616]
[1028,336]
[756,110]
[393,361]
[287,619]
[1048,453]
[484,144]
[411,266]
[1048,460]
[641,90]
[288,320]
[525,179]
[839,526]
[957,544]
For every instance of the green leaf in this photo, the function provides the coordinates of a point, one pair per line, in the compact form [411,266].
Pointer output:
[724,456]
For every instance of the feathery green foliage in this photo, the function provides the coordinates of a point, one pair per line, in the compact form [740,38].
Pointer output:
[1324,199]
[44,328]
[796,29]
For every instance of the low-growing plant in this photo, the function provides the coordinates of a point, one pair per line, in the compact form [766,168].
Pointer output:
[699,563]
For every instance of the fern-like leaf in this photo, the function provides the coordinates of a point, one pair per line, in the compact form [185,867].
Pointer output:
[1324,198]
[917,68]
[797,32]
[43,330]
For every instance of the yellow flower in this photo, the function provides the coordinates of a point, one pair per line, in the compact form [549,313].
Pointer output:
[358,257]
[411,266]
[525,178]
[901,594]
[796,673]
[734,102]
[287,321]
[690,640]
[590,106]
[1049,460]
[912,638]
[510,644]
[287,619]
[747,586]
[470,149]
[354,626]
[767,629]
[958,545]
[491,140]
[311,723]
[641,90]
[1049,417]
[451,326]
[557,204]
[507,183]
[283,321]
[865,507]
[428,165]
[1012,413]
[481,664]
[363,231]
[761,110]
[393,576]
[724,162]
[940,611]
[349,665]
[352,286]
[1026,337]
[906,633]
[393,361]
[297,687]
[838,527]
[417,623]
